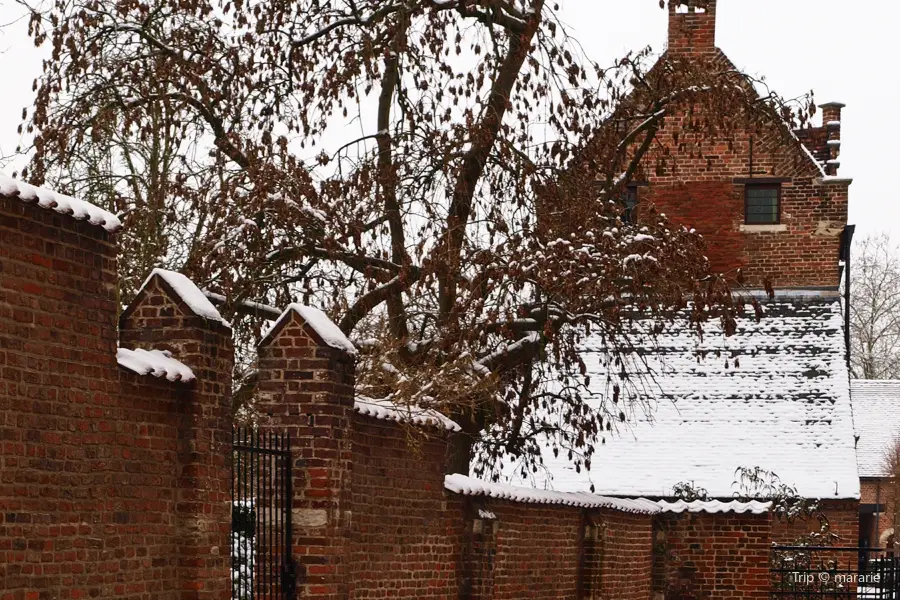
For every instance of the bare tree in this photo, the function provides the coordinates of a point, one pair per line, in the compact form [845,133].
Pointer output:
[427,234]
[875,309]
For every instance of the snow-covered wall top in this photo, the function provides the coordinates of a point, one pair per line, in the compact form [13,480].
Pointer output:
[876,415]
[189,293]
[388,411]
[715,506]
[468,486]
[158,363]
[776,395]
[66,205]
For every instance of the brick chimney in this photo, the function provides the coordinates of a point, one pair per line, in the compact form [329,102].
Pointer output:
[831,120]
[692,26]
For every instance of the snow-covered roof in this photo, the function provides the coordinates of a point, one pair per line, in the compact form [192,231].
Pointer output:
[158,363]
[324,327]
[189,293]
[775,396]
[66,205]
[386,410]
[876,416]
[468,486]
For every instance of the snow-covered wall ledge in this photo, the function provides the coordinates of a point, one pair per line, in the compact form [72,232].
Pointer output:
[716,507]
[60,203]
[385,410]
[468,486]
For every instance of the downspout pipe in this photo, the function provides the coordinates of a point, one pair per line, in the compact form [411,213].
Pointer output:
[846,244]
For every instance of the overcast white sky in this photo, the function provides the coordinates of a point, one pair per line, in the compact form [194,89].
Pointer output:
[843,51]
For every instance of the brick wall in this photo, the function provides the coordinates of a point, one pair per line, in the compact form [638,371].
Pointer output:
[537,551]
[103,492]
[406,533]
[713,556]
[306,390]
[628,551]
[533,551]
[843,519]
[158,318]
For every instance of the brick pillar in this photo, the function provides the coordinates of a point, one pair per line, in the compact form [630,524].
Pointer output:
[831,119]
[306,379]
[164,317]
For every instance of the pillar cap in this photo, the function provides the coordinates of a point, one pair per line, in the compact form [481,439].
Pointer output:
[324,330]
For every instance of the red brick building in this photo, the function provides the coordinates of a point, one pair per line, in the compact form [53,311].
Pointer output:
[767,201]
[775,395]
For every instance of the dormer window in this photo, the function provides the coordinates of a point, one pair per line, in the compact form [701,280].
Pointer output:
[762,204]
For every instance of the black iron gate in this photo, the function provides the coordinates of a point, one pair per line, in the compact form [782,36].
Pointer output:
[834,573]
[262,567]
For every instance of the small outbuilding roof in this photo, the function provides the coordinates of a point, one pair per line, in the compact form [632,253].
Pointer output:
[776,395]
[876,417]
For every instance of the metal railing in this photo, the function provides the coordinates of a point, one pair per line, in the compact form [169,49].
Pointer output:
[845,573]
[262,565]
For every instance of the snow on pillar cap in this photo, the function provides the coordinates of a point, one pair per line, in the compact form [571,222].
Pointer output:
[189,293]
[324,328]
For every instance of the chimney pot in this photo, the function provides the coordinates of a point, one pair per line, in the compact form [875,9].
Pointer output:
[831,119]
